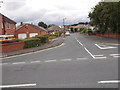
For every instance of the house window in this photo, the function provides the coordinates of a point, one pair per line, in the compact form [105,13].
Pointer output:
[8,26]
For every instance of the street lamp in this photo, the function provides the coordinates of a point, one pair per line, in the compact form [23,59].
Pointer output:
[64,26]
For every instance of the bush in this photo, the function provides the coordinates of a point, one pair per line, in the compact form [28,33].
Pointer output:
[42,38]
[31,42]
[55,35]
[17,40]
[52,37]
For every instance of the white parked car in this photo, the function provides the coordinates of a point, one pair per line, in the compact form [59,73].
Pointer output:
[67,33]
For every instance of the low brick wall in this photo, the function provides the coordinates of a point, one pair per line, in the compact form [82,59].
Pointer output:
[109,35]
[8,47]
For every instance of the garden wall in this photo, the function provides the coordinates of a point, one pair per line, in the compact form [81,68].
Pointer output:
[109,35]
[8,47]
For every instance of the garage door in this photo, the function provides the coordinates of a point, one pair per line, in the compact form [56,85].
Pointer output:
[33,34]
[22,36]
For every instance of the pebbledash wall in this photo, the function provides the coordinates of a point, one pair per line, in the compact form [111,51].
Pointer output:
[11,47]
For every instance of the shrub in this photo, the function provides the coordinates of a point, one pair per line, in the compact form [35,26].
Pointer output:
[52,37]
[42,38]
[31,42]
[17,40]
[55,35]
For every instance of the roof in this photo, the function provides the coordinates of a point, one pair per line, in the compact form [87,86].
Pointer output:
[54,27]
[37,27]
[7,19]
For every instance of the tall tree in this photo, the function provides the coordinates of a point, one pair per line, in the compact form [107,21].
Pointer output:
[105,16]
[42,24]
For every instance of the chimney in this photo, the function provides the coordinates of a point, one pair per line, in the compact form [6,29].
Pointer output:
[21,23]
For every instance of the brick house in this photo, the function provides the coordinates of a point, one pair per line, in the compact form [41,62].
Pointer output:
[53,29]
[29,30]
[7,26]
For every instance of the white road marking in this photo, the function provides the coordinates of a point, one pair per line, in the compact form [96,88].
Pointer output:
[89,52]
[79,42]
[32,52]
[109,82]
[104,47]
[51,61]
[4,63]
[66,59]
[19,63]
[35,61]
[20,85]
[98,55]
[114,54]
[94,56]
[82,58]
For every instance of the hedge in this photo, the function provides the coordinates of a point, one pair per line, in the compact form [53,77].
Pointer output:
[31,42]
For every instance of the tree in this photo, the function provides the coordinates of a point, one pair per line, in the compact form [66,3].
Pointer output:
[105,16]
[42,24]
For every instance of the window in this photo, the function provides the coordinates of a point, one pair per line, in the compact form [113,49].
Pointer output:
[8,26]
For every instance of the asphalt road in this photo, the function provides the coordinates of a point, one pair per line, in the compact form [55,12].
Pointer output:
[77,63]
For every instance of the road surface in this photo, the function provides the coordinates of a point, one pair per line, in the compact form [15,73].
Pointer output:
[77,63]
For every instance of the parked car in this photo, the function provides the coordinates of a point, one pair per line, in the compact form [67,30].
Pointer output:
[67,33]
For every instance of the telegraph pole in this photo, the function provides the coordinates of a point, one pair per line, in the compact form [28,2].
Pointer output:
[64,26]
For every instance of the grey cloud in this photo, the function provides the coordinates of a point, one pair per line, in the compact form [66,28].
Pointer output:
[14,5]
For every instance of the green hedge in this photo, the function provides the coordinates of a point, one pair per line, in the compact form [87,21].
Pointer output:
[42,38]
[31,42]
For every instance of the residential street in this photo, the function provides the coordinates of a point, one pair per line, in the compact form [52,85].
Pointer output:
[78,63]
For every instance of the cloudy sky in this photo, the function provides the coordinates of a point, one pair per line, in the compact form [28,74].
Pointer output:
[48,11]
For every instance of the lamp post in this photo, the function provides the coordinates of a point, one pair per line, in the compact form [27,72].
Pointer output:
[64,26]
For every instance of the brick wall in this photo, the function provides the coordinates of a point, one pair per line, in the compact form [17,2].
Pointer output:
[11,46]
[109,35]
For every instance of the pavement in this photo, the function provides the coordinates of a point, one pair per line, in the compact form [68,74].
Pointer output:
[78,63]
[51,44]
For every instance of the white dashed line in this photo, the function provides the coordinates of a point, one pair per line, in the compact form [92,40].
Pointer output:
[82,58]
[66,59]
[51,61]
[35,62]
[20,85]
[19,63]
[109,82]
[4,63]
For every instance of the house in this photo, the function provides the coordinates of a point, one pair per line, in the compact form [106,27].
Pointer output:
[53,29]
[25,30]
[7,26]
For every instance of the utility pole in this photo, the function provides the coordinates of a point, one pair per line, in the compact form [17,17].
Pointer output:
[64,26]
